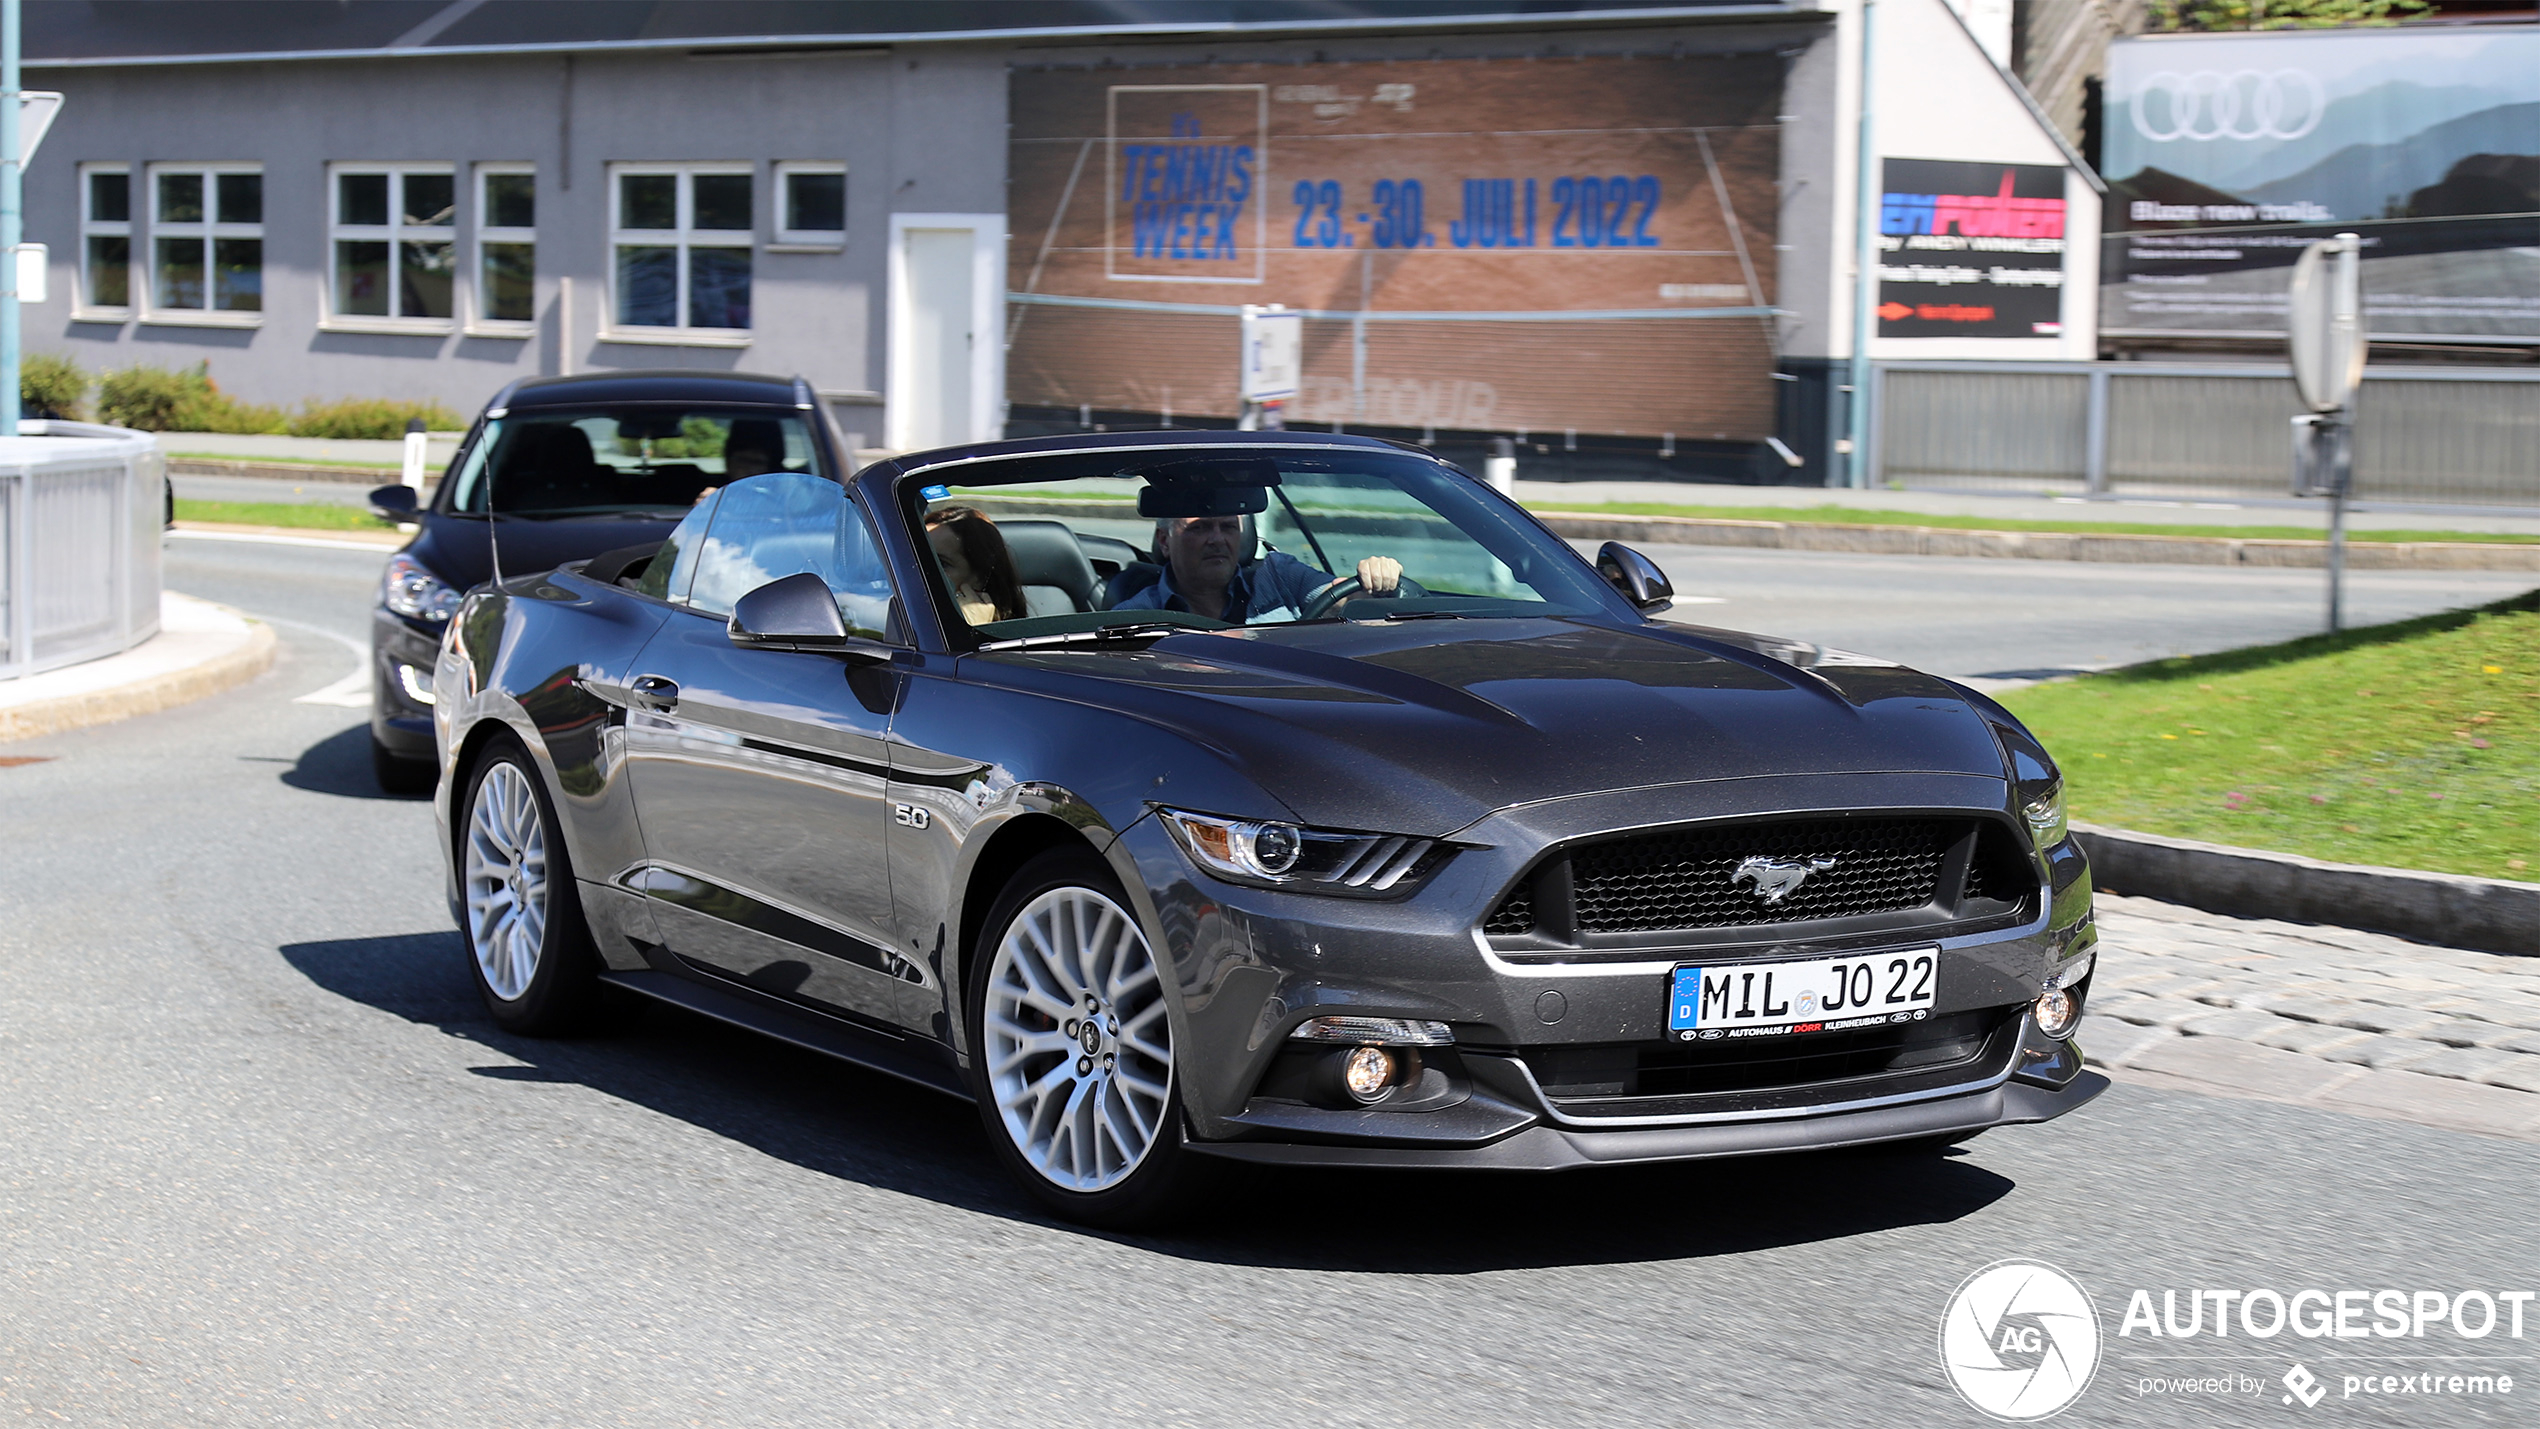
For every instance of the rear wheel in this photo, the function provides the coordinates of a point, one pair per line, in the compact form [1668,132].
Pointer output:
[527,944]
[399,775]
[1072,1048]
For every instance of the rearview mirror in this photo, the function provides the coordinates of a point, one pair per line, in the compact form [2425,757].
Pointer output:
[794,613]
[393,503]
[1636,576]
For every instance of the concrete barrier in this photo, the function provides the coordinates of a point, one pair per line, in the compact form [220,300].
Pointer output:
[2487,914]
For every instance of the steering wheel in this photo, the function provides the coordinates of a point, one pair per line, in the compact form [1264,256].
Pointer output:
[1320,604]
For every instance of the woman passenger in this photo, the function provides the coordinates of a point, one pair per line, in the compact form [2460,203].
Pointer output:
[975,564]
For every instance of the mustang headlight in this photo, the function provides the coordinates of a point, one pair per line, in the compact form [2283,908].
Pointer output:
[2045,813]
[1270,854]
[409,588]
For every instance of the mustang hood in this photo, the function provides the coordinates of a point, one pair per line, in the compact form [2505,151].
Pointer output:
[1421,727]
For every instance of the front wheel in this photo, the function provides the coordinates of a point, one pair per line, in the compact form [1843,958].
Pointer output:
[528,946]
[1072,1050]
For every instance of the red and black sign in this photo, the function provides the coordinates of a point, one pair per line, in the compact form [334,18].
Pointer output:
[1971,250]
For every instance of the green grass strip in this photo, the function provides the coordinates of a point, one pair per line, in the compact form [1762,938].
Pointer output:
[314,516]
[1829,515]
[2414,745]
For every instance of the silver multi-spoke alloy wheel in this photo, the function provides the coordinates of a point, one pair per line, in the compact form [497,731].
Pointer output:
[1080,1060]
[506,879]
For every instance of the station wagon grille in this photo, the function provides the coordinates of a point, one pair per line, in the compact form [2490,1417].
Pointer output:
[1690,878]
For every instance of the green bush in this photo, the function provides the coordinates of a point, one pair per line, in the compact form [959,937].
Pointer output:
[374,417]
[50,386]
[149,399]
[154,399]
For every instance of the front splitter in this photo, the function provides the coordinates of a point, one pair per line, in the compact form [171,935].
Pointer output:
[1554,1148]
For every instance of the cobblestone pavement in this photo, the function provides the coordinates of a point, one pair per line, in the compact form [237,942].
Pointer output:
[2357,1022]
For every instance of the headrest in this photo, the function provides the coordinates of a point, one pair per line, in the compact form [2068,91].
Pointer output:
[1047,553]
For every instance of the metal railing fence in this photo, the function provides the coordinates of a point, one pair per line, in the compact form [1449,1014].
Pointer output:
[80,513]
[2218,431]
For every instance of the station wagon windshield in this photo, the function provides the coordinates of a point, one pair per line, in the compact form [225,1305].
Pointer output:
[648,459]
[1105,547]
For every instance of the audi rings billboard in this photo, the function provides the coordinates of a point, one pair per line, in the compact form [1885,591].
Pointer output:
[2226,154]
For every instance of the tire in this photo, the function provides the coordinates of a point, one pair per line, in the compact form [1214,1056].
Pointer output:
[1088,1119]
[399,775]
[528,948]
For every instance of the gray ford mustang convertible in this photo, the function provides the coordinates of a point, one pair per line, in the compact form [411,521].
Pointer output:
[1267,797]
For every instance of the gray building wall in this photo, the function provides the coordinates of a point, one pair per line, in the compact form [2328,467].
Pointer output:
[917,131]
[921,128]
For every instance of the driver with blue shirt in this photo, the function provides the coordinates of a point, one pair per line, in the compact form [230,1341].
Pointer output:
[1204,576]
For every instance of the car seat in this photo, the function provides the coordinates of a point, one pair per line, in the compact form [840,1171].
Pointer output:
[548,466]
[1049,565]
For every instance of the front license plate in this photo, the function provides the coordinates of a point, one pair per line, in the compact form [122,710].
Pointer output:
[1816,995]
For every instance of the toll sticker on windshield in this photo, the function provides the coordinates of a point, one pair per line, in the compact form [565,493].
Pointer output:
[934,493]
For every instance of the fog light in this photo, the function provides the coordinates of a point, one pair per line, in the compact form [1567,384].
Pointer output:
[1367,1073]
[2056,1012]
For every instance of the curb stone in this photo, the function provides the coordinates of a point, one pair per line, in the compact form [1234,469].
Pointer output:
[235,666]
[2455,910]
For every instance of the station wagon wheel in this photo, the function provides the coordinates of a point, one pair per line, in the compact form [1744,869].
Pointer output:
[527,944]
[1072,1047]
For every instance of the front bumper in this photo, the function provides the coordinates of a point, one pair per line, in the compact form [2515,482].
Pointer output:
[1543,1147]
[401,723]
[1255,963]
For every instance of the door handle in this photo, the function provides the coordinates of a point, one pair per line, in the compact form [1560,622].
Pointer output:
[652,692]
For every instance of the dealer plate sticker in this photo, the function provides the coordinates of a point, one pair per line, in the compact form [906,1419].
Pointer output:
[1816,995]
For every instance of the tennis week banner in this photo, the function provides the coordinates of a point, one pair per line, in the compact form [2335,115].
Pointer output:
[1610,220]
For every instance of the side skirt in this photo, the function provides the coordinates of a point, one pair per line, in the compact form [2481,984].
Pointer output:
[891,1056]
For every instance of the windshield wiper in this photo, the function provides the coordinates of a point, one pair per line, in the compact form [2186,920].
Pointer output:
[1100,635]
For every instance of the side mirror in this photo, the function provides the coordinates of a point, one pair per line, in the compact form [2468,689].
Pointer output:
[393,503]
[797,612]
[1636,576]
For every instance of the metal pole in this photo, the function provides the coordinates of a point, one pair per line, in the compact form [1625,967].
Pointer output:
[1865,277]
[10,234]
[2337,556]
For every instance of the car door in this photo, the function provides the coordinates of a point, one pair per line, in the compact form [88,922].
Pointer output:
[760,776]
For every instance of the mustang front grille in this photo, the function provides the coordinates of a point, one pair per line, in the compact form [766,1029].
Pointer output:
[1769,873]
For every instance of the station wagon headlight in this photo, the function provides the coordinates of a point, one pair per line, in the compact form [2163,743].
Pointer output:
[1268,853]
[409,588]
[2047,823]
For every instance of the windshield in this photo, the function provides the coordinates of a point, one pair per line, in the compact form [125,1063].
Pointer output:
[652,459]
[1132,540]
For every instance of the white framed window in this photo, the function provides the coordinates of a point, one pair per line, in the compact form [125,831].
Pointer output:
[392,246]
[207,243]
[105,240]
[507,248]
[811,206]
[679,250]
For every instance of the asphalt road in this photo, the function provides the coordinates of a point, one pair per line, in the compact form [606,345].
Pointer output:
[263,1159]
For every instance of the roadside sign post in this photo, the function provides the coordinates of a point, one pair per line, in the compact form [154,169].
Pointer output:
[418,443]
[1272,364]
[2325,336]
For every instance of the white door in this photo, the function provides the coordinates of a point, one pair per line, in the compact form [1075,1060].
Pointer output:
[940,337]
[947,366]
